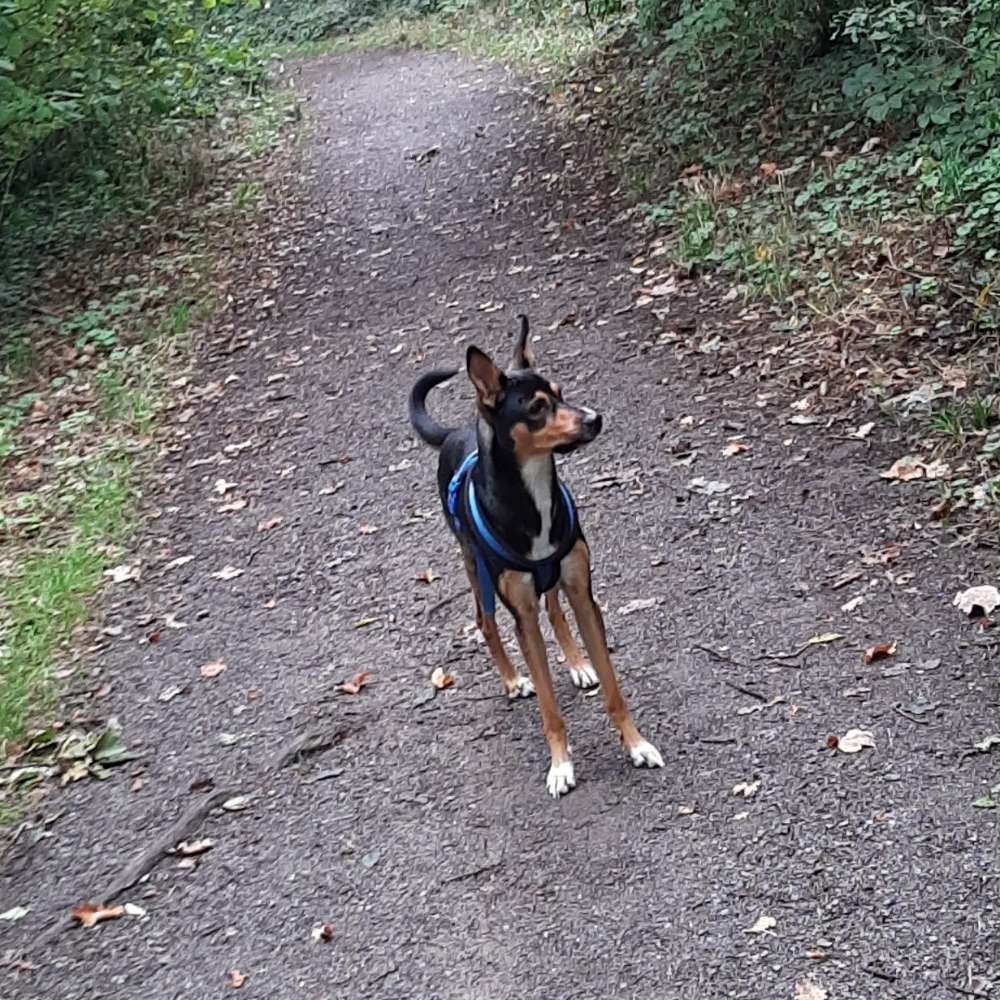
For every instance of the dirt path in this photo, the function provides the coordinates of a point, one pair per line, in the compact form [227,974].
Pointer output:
[424,835]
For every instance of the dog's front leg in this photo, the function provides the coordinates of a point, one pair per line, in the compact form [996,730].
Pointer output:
[576,582]
[518,592]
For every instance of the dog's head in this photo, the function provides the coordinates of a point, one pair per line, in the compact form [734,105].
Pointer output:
[525,411]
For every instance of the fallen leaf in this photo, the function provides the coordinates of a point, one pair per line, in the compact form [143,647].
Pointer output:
[863,431]
[768,169]
[226,573]
[233,505]
[806,990]
[937,470]
[190,848]
[986,801]
[879,652]
[640,604]
[441,680]
[686,810]
[365,622]
[710,487]
[354,686]
[987,744]
[212,669]
[170,620]
[237,803]
[853,603]
[855,740]
[270,523]
[367,529]
[426,577]
[323,933]
[734,448]
[822,640]
[904,469]
[169,693]
[977,599]
[17,913]
[236,979]
[763,925]
[88,915]
[746,788]
[222,486]
[179,561]
[122,573]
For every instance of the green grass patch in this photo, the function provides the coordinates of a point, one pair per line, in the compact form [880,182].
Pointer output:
[47,596]
[555,37]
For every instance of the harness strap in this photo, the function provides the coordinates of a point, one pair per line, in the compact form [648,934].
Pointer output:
[486,544]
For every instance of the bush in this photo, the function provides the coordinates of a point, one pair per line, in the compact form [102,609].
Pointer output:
[105,70]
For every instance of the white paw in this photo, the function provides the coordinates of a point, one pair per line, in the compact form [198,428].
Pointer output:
[561,778]
[523,688]
[584,677]
[645,755]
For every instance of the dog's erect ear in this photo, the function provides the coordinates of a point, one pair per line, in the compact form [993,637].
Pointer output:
[524,356]
[486,377]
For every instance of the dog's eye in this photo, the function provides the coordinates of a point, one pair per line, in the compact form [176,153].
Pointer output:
[538,407]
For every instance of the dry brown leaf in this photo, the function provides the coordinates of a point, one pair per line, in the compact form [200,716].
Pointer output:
[904,469]
[228,508]
[426,577]
[806,990]
[120,574]
[236,979]
[855,740]
[768,169]
[88,915]
[212,669]
[441,680]
[354,686]
[270,523]
[879,651]
[734,448]
[226,573]
[190,848]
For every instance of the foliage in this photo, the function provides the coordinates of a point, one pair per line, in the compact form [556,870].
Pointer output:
[100,73]
[296,21]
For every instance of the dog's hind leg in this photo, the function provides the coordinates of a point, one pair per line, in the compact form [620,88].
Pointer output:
[581,672]
[514,684]
[576,581]
[518,592]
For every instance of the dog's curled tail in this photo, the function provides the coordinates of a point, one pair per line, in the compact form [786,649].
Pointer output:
[428,429]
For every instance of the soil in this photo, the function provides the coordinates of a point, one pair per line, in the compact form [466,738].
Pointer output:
[440,200]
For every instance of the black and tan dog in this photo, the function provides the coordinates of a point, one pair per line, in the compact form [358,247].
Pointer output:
[521,538]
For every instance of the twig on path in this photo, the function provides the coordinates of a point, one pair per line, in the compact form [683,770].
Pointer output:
[716,739]
[965,992]
[716,655]
[744,690]
[308,743]
[481,870]
[434,608]
[147,858]
[889,977]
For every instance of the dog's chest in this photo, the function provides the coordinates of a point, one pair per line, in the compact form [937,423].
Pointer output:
[538,481]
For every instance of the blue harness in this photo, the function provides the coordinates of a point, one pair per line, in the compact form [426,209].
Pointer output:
[492,557]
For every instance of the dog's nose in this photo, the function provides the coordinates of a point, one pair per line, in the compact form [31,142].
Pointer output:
[591,422]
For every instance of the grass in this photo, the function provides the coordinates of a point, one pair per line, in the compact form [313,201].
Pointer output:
[48,595]
[554,37]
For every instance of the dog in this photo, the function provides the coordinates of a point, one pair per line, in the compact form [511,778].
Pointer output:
[521,538]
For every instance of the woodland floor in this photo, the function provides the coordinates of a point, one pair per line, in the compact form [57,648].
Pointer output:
[422,832]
